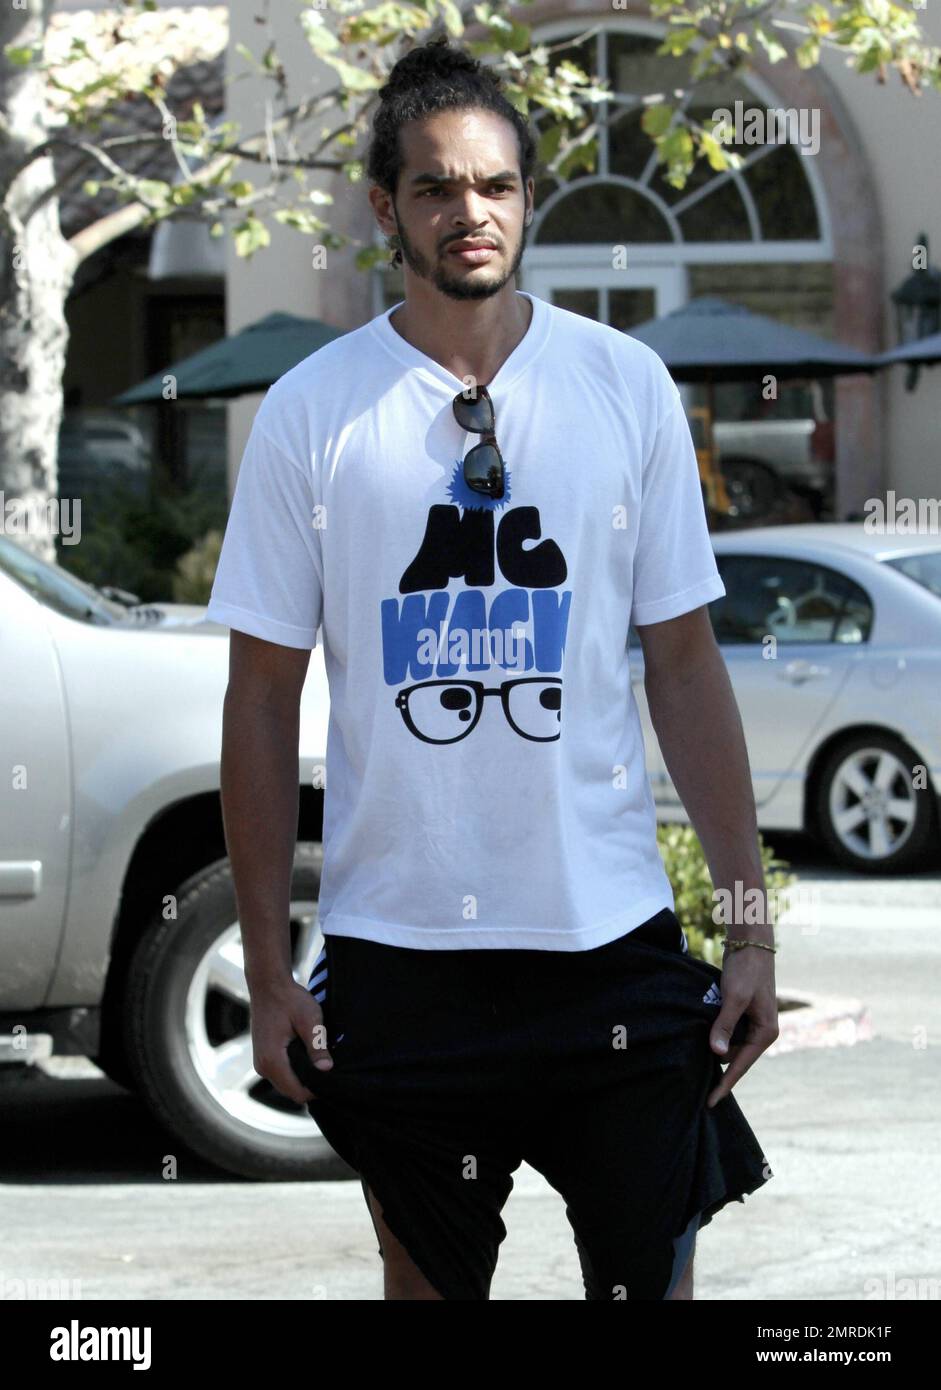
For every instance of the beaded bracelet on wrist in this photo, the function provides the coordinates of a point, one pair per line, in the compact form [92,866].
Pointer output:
[735,943]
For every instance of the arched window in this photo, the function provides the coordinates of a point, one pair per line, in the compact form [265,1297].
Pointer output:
[770,199]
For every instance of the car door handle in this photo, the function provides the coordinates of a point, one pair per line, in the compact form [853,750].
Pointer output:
[20,879]
[799,671]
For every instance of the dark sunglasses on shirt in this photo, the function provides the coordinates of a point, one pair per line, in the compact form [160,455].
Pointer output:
[483,465]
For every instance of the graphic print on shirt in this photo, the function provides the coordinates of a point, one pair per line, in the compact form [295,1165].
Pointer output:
[510,617]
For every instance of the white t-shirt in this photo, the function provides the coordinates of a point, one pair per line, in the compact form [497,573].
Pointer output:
[469,801]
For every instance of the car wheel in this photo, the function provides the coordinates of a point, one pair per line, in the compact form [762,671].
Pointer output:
[188,1035]
[868,812]
[753,489]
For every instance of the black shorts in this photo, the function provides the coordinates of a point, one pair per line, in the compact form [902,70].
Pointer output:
[452,1067]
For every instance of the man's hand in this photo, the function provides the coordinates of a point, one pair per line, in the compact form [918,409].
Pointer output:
[747,988]
[279,1014]
[699,728]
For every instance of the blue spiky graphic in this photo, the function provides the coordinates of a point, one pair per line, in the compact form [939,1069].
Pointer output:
[466,497]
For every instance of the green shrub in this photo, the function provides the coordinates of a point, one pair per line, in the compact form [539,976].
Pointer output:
[137,543]
[688,872]
[195,571]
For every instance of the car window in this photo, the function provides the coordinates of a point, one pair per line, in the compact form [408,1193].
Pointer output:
[924,569]
[791,600]
[55,587]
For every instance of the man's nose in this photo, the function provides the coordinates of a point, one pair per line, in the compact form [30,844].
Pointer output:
[470,209]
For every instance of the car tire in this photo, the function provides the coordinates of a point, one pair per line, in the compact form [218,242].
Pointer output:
[185,1001]
[863,834]
[752,487]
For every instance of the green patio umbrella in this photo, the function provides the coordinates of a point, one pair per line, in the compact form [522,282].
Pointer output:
[248,361]
[922,352]
[712,340]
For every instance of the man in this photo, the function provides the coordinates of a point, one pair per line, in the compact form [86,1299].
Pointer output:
[471,496]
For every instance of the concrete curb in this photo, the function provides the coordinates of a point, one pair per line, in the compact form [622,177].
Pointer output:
[819,1020]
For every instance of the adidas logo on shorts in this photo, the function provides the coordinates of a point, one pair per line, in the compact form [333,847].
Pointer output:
[712,995]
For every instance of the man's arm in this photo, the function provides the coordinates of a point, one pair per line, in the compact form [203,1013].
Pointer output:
[699,728]
[260,793]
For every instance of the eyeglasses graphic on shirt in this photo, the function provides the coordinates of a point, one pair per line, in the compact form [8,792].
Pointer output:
[445,711]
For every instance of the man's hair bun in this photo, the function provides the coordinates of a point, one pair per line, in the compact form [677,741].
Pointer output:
[431,62]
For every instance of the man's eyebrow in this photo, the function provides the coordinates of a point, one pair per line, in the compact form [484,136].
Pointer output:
[504,176]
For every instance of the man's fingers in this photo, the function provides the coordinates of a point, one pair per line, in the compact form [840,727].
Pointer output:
[317,1049]
[724,1026]
[302,1068]
[746,1054]
[291,1088]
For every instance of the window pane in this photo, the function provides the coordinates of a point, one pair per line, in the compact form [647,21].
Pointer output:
[578,302]
[795,601]
[634,68]
[782,195]
[628,308]
[629,148]
[720,216]
[924,569]
[603,213]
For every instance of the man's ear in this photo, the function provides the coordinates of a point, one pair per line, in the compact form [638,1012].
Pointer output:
[384,208]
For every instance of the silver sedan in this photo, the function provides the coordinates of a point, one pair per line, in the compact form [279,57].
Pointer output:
[832,638]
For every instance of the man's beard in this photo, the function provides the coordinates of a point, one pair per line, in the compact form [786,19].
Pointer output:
[474,286]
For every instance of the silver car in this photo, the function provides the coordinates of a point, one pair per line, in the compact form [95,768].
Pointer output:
[119,934]
[832,639]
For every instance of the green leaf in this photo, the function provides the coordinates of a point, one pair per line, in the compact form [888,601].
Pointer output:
[808,53]
[520,38]
[299,219]
[452,18]
[152,190]
[775,51]
[250,236]
[676,151]
[371,256]
[240,188]
[222,174]
[321,39]
[19,56]
[91,188]
[656,120]
[583,155]
[714,152]
[704,58]
[678,41]
[355,79]
[549,142]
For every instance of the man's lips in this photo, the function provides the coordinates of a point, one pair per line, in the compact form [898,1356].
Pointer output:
[473,252]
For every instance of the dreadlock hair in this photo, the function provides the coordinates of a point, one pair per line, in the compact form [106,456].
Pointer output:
[436,76]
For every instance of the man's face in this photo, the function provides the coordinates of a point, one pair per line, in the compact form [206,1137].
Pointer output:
[460,181]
